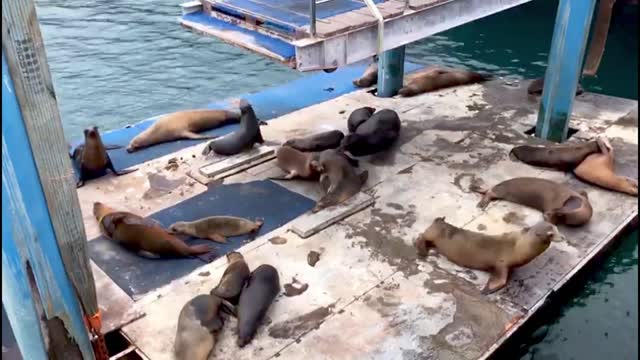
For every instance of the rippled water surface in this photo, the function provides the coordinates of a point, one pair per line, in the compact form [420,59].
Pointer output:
[121,61]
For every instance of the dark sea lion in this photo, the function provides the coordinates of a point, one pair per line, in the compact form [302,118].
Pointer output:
[369,77]
[259,292]
[235,276]
[142,236]
[599,169]
[198,324]
[536,86]
[374,135]
[559,203]
[339,179]
[317,142]
[358,116]
[216,228]
[92,158]
[563,157]
[182,125]
[241,139]
[498,254]
[437,78]
[296,164]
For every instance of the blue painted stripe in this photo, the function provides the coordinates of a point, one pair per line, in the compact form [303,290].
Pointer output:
[268,104]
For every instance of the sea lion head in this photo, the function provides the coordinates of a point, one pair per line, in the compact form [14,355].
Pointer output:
[135,144]
[100,210]
[91,133]
[234,256]
[178,227]
[541,234]
[422,242]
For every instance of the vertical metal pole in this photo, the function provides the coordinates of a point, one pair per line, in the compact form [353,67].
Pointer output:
[570,35]
[390,72]
[312,9]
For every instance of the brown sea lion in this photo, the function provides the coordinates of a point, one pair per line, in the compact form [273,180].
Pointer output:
[141,235]
[338,177]
[536,86]
[216,228]
[183,125]
[498,254]
[92,158]
[369,77]
[198,324]
[563,157]
[438,78]
[558,203]
[241,139]
[259,292]
[296,164]
[235,276]
[316,142]
[358,116]
[599,169]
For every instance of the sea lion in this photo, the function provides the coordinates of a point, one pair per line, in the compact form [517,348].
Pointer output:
[257,295]
[374,135]
[369,77]
[296,164]
[316,142]
[497,254]
[216,228]
[536,86]
[141,235]
[338,179]
[235,276]
[563,157]
[358,116]
[437,78]
[241,139]
[92,158]
[198,324]
[559,203]
[599,169]
[182,125]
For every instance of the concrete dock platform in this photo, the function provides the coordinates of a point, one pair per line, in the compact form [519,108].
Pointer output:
[369,296]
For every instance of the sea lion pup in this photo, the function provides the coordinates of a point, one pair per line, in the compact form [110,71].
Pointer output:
[338,178]
[92,158]
[198,324]
[140,235]
[437,78]
[183,125]
[374,135]
[599,169]
[257,295]
[563,157]
[558,203]
[241,139]
[536,86]
[316,142]
[235,276]
[369,77]
[216,228]
[296,164]
[497,254]
[358,116]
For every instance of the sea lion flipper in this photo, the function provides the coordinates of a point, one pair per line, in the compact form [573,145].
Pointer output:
[497,280]
[217,238]
[194,136]
[80,182]
[229,308]
[112,147]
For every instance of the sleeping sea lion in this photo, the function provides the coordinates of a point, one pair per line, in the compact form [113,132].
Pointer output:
[198,324]
[559,203]
[563,157]
[216,228]
[599,169]
[339,179]
[296,164]
[92,158]
[437,78]
[182,125]
[498,254]
[316,142]
[369,77]
[235,276]
[241,139]
[257,295]
[374,135]
[358,116]
[141,235]
[536,86]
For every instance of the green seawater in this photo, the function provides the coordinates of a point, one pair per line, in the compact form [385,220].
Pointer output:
[121,61]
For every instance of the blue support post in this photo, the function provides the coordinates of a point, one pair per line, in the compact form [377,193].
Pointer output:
[390,72]
[28,237]
[573,22]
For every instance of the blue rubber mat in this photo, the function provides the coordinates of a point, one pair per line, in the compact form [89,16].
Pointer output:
[264,199]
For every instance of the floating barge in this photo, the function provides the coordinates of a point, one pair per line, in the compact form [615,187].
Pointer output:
[369,297]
